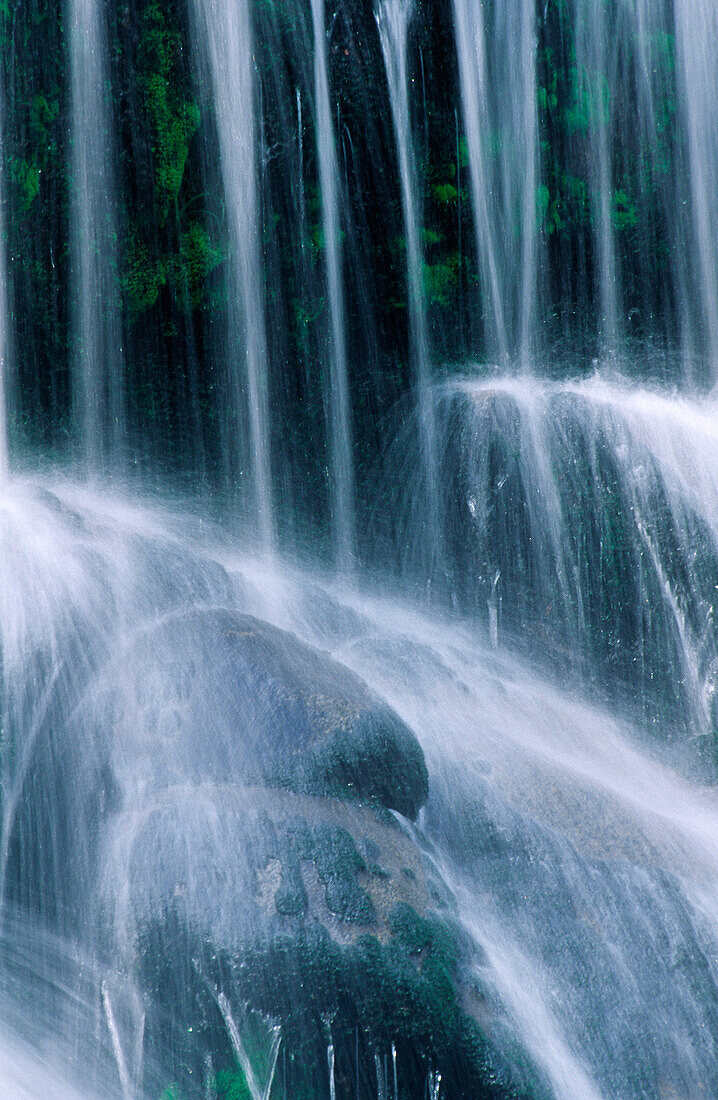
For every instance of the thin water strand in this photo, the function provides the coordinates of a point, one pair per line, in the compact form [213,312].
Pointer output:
[696,28]
[226,32]
[471,49]
[594,35]
[497,67]
[340,427]
[331,1058]
[116,1043]
[394,19]
[5,343]
[97,371]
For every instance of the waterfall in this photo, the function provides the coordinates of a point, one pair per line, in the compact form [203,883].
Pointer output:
[393,19]
[696,27]
[535,459]
[394,1071]
[4,319]
[497,67]
[258,794]
[226,31]
[340,427]
[116,1043]
[379,1068]
[595,33]
[471,48]
[258,1090]
[531,779]
[97,370]
[331,1059]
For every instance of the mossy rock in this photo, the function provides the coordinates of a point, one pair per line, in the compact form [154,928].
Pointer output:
[258,863]
[299,909]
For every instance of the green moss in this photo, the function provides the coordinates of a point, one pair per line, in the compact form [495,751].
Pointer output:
[26,171]
[624,213]
[290,900]
[406,990]
[441,280]
[232,1085]
[143,276]
[590,97]
[547,97]
[198,257]
[432,236]
[549,210]
[173,120]
[43,113]
[445,193]
[334,854]
[410,929]
[26,178]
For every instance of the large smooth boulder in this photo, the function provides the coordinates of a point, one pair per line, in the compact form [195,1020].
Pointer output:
[217,696]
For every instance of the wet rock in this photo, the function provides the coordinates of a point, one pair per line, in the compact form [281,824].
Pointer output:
[256,862]
[216,695]
[315,913]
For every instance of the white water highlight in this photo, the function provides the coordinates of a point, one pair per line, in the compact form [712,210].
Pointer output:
[497,67]
[394,19]
[98,382]
[225,29]
[340,426]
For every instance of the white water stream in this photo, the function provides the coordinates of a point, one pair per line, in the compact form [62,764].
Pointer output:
[340,418]
[225,30]
[97,374]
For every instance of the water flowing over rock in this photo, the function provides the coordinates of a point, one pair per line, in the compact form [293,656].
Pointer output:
[213,696]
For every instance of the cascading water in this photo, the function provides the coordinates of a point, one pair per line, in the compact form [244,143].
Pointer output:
[696,26]
[564,482]
[522,778]
[272,834]
[226,30]
[497,63]
[393,19]
[98,385]
[340,428]
[4,335]
[595,31]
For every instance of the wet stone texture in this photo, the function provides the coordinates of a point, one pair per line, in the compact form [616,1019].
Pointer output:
[282,880]
[221,696]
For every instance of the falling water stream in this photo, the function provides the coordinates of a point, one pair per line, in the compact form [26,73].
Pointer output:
[696,27]
[4,337]
[98,385]
[595,32]
[500,118]
[340,428]
[393,18]
[541,804]
[226,30]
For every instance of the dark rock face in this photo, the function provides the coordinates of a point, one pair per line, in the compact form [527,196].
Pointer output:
[217,696]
